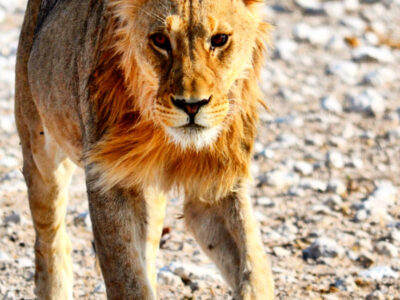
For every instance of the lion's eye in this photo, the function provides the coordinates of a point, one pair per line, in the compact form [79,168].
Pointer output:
[161,41]
[219,40]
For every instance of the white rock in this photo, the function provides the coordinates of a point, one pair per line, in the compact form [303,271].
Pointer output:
[387,249]
[285,49]
[375,295]
[194,272]
[281,252]
[25,262]
[369,53]
[296,191]
[9,162]
[351,5]
[361,215]
[312,184]
[378,273]
[320,36]
[315,140]
[334,202]
[265,201]
[385,194]
[357,25]
[323,247]
[310,6]
[347,71]
[288,139]
[331,104]
[393,134]
[371,38]
[281,178]
[335,159]
[379,77]
[7,123]
[303,167]
[4,257]
[345,284]
[336,42]
[301,31]
[168,278]
[337,186]
[99,289]
[334,8]
[395,235]
[369,101]
[355,162]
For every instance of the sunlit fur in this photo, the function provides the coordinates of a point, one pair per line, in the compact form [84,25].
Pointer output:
[142,143]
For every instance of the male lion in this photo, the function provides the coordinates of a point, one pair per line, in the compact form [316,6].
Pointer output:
[146,96]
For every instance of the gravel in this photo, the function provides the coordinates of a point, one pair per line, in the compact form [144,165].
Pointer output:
[326,166]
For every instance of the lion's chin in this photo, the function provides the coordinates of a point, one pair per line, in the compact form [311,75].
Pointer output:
[193,137]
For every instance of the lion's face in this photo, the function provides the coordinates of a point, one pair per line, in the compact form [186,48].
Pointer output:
[196,50]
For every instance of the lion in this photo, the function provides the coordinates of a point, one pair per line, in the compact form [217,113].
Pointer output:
[147,96]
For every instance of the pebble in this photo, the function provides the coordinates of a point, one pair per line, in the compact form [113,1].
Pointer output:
[4,257]
[337,186]
[280,178]
[285,49]
[346,71]
[191,271]
[369,53]
[387,249]
[9,162]
[168,278]
[25,262]
[99,289]
[312,7]
[14,218]
[323,247]
[313,184]
[379,77]
[378,273]
[334,202]
[265,201]
[331,104]
[375,295]
[335,159]
[351,5]
[303,167]
[369,102]
[334,8]
[281,252]
[345,284]
[355,24]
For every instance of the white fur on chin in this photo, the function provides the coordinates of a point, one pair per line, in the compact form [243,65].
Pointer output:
[193,138]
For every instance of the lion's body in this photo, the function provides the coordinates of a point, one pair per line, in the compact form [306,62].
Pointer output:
[92,91]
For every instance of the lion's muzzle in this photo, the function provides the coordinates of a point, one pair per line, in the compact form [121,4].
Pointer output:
[190,106]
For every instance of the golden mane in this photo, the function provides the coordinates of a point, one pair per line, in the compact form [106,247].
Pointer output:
[135,151]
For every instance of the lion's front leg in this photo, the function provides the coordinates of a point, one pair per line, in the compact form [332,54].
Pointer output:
[119,229]
[228,232]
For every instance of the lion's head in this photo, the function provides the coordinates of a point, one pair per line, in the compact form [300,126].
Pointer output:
[191,53]
[178,80]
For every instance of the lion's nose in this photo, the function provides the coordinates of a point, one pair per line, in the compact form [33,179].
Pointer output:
[190,106]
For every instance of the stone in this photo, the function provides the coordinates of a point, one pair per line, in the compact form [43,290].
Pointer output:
[368,102]
[345,283]
[355,24]
[323,247]
[334,9]
[301,31]
[99,289]
[265,201]
[387,249]
[303,167]
[281,252]
[281,178]
[24,262]
[14,218]
[351,5]
[320,36]
[4,257]
[334,202]
[331,104]
[9,162]
[190,271]
[168,278]
[311,7]
[378,273]
[335,159]
[369,53]
[375,295]
[379,77]
[313,184]
[346,71]
[285,49]
[337,186]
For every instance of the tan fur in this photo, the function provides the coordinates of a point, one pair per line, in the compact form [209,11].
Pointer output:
[98,92]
